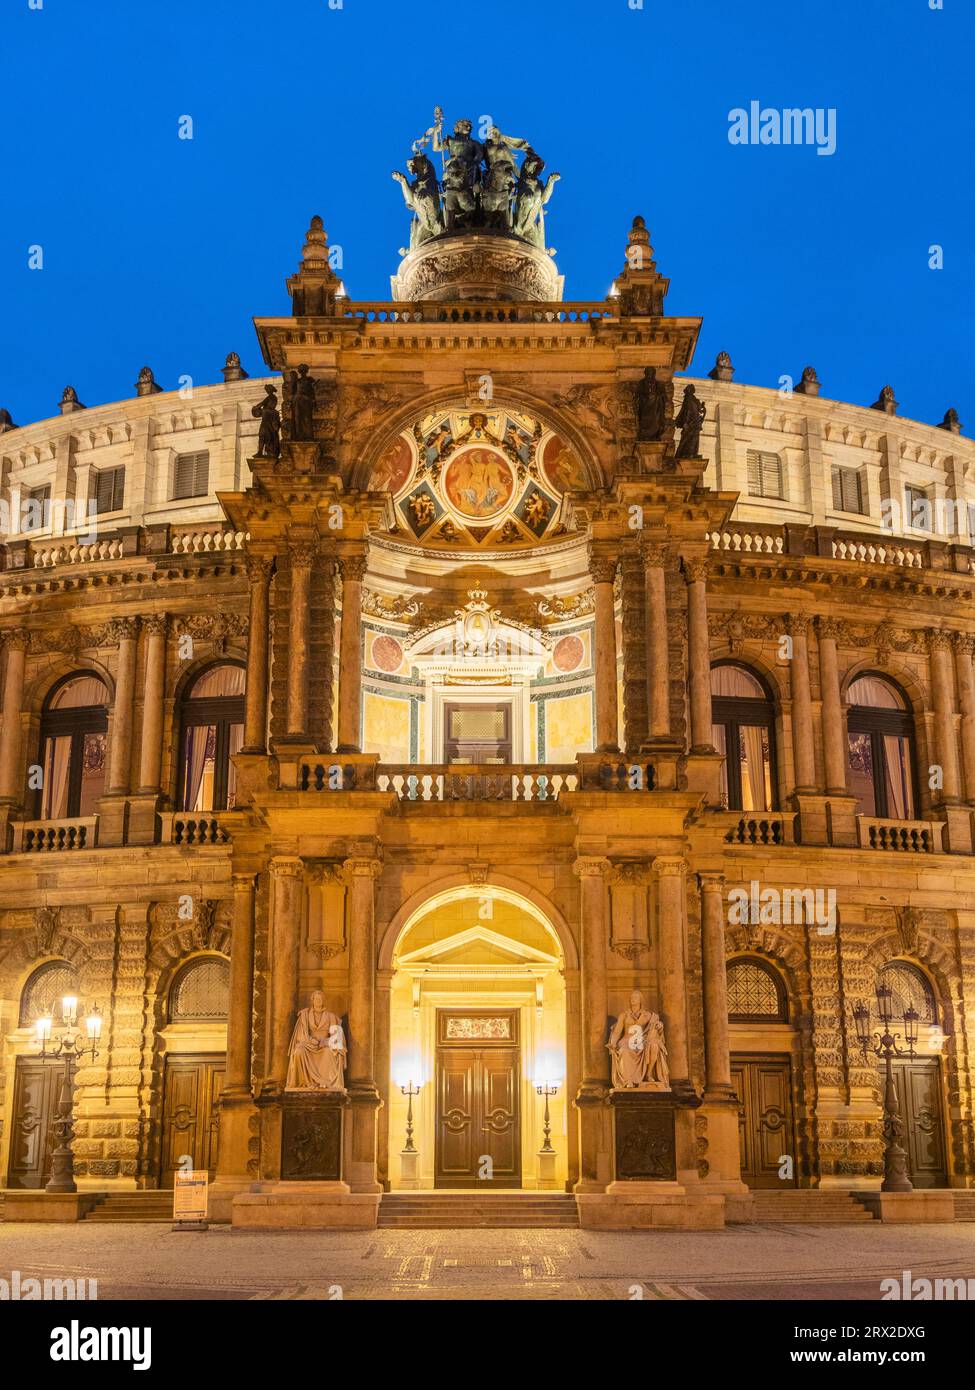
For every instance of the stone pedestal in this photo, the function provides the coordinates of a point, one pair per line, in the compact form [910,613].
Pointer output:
[841,821]
[113,816]
[547,1181]
[957,834]
[409,1170]
[933,1204]
[48,1206]
[813,828]
[143,820]
[308,1206]
[311,1136]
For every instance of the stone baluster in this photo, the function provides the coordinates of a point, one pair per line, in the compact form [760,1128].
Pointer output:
[946,746]
[153,693]
[124,631]
[353,569]
[671,964]
[259,570]
[965,675]
[699,655]
[287,885]
[239,1018]
[658,654]
[716,1049]
[16,645]
[299,626]
[834,743]
[802,728]
[602,567]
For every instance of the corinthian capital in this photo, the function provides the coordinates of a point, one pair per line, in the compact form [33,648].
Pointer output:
[695,570]
[602,565]
[258,568]
[829,629]
[156,624]
[963,642]
[938,641]
[654,554]
[16,639]
[352,568]
[121,630]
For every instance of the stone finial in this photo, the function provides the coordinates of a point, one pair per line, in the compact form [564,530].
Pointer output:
[809,383]
[638,288]
[6,423]
[639,236]
[951,421]
[146,385]
[886,402]
[722,369]
[314,289]
[70,401]
[232,370]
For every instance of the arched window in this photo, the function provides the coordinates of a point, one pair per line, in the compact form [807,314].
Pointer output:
[44,990]
[756,993]
[201,991]
[881,737]
[743,730]
[212,725]
[74,731]
[909,988]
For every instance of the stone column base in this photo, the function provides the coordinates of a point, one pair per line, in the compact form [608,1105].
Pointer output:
[33,1205]
[310,1206]
[641,1206]
[142,818]
[547,1181]
[957,834]
[409,1169]
[933,1204]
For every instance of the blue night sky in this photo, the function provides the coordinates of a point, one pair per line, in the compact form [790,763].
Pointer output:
[159,250]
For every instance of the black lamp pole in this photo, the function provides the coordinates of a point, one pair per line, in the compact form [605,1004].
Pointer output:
[70,1045]
[885,1044]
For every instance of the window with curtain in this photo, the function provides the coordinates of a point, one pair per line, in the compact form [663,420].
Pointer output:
[74,738]
[743,729]
[881,739]
[212,731]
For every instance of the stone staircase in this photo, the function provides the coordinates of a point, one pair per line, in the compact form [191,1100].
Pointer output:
[417,1211]
[156,1205]
[808,1206]
[965,1204]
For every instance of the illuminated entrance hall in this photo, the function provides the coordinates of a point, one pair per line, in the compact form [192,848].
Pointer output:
[477,1021]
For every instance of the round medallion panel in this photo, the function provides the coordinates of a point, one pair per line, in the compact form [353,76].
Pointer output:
[568,653]
[479,483]
[387,654]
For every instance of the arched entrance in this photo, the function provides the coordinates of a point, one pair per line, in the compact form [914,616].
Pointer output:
[477,1022]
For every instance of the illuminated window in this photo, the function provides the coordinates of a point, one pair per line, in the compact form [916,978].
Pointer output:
[74,734]
[881,749]
[743,724]
[212,730]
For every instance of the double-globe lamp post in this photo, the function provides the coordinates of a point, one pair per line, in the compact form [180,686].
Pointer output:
[71,1044]
[885,1044]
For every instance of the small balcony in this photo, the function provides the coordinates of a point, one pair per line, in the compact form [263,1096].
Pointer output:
[50,836]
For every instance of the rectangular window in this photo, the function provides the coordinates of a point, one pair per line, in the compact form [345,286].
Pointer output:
[847,490]
[191,475]
[108,490]
[917,508]
[35,507]
[765,474]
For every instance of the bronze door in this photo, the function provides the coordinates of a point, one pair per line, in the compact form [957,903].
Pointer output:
[191,1114]
[478,1122]
[37,1087]
[765,1130]
[919,1096]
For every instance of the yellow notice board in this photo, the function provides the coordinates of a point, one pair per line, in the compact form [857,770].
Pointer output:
[190,1196]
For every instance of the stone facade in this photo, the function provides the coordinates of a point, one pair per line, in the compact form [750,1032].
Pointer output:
[342,591]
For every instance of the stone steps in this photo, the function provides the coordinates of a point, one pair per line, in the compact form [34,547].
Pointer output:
[808,1206]
[462,1210]
[156,1205]
[965,1205]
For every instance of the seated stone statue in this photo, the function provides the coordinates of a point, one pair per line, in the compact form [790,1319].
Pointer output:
[316,1059]
[637,1046]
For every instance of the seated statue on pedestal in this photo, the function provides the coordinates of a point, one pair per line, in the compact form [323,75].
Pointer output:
[316,1059]
[637,1046]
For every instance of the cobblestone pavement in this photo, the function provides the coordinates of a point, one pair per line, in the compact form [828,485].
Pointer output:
[147,1261]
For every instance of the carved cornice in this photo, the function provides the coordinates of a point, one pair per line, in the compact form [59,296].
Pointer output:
[395,608]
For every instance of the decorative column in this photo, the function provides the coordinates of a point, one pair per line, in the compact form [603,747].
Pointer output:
[153,691]
[834,744]
[671,965]
[239,1018]
[353,568]
[298,637]
[658,655]
[946,749]
[287,881]
[699,655]
[602,567]
[124,631]
[965,674]
[802,729]
[592,873]
[255,697]
[16,645]
[716,1051]
[361,1141]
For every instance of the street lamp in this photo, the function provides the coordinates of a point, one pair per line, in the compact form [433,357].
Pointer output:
[410,1091]
[884,1044]
[71,1044]
[546,1089]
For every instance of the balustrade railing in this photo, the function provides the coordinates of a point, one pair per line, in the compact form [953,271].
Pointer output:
[900,836]
[192,829]
[50,836]
[198,540]
[384,311]
[535,782]
[769,829]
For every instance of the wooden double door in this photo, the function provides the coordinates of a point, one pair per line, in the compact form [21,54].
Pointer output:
[766,1132]
[918,1085]
[191,1114]
[478,1084]
[37,1087]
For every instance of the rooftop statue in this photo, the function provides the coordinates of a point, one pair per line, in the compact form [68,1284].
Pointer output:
[482,187]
